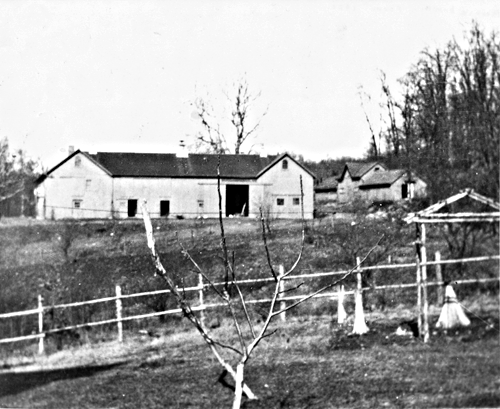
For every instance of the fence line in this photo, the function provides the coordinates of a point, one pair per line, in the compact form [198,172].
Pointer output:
[255,281]
[202,306]
[267,279]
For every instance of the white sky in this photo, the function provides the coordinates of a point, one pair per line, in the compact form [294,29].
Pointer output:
[120,75]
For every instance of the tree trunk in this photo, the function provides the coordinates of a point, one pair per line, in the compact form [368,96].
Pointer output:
[238,391]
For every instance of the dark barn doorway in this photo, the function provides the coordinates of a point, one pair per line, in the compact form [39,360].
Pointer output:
[132,208]
[164,208]
[237,200]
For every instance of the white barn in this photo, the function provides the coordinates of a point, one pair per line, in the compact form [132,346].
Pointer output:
[112,185]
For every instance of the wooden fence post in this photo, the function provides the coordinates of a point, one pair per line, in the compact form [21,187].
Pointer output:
[200,297]
[119,313]
[424,287]
[419,292]
[341,313]
[439,277]
[40,325]
[359,326]
[282,292]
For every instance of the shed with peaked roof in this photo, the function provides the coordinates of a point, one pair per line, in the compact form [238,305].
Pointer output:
[374,182]
[110,184]
[392,186]
[353,176]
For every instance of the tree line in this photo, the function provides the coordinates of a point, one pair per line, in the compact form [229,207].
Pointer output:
[444,123]
[17,181]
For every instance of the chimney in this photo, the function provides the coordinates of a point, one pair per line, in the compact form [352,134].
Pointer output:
[182,153]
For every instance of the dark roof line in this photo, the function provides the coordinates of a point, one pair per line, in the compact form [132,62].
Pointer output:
[164,165]
[358,169]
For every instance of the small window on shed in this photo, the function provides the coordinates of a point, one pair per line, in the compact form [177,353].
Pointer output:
[296,201]
[284,164]
[77,204]
[78,161]
[280,201]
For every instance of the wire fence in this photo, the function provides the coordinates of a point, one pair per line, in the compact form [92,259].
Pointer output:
[42,321]
[124,213]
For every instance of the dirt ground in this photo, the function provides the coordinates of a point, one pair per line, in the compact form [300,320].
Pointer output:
[308,363]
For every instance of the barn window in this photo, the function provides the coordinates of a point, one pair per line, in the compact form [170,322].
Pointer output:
[296,201]
[200,204]
[77,204]
[284,164]
[280,201]
[78,161]
[88,182]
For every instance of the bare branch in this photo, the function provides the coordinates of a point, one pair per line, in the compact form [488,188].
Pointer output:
[245,310]
[268,319]
[374,139]
[330,285]
[288,290]
[264,240]
[241,103]
[214,137]
[236,324]
[269,334]
[200,271]
[227,265]
[12,194]
[303,236]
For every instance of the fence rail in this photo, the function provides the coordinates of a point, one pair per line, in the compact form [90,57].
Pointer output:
[118,297]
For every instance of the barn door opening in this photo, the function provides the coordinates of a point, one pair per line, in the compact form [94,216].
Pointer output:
[407,190]
[132,208]
[237,200]
[164,208]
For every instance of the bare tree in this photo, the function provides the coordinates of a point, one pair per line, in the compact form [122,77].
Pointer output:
[9,183]
[17,174]
[249,331]
[374,147]
[445,125]
[214,136]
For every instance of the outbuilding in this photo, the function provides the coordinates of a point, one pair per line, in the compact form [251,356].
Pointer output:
[373,182]
[352,178]
[392,186]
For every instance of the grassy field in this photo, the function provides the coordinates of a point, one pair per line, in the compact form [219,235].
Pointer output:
[310,362]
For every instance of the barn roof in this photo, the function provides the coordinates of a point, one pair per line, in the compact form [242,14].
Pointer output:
[169,165]
[358,169]
[383,178]
[327,185]
[124,164]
